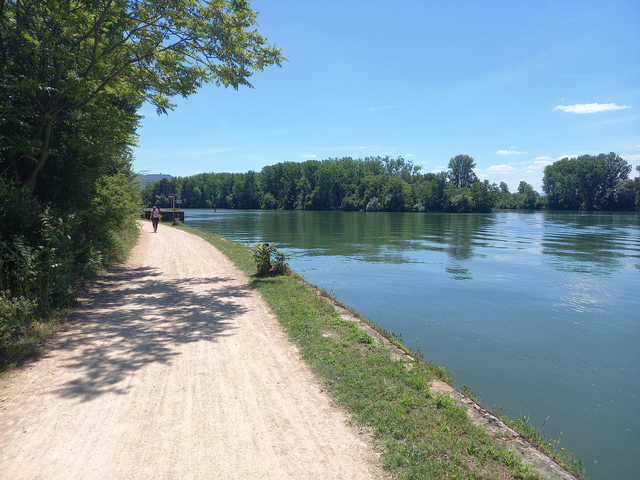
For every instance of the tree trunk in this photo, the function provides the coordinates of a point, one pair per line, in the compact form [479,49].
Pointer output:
[44,156]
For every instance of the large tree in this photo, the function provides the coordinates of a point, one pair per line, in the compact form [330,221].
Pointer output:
[59,57]
[461,173]
[587,182]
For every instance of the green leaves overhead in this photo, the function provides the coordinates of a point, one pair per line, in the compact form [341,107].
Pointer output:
[58,57]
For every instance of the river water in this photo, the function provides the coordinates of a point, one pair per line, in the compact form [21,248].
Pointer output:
[538,312]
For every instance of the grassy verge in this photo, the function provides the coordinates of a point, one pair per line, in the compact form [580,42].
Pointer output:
[421,435]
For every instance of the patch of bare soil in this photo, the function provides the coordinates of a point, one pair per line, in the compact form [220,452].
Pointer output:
[177,369]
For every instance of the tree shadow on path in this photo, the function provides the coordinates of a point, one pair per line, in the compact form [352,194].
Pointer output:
[143,320]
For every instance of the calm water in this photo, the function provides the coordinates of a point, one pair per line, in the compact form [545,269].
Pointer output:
[536,312]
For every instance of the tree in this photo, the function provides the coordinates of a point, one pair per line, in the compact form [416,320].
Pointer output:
[461,171]
[59,57]
[482,200]
[504,188]
[587,182]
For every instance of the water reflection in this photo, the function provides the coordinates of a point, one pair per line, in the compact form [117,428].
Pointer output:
[386,238]
[596,244]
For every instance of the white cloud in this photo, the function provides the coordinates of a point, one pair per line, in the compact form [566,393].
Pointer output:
[409,155]
[541,163]
[529,171]
[590,107]
[502,169]
[309,156]
[632,158]
[545,157]
[509,152]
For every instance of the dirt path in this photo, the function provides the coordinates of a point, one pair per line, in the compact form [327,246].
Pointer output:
[176,371]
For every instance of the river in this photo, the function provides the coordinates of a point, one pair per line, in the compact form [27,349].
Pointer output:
[538,312]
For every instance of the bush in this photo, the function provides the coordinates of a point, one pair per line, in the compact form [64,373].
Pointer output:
[374,205]
[348,204]
[15,315]
[46,248]
[269,202]
[261,256]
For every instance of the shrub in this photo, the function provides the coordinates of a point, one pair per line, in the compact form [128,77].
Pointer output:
[15,315]
[261,255]
[374,205]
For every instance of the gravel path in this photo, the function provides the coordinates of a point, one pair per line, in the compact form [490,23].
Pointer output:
[177,370]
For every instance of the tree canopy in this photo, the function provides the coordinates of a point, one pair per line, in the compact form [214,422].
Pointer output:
[589,182]
[59,59]
[73,74]
[371,184]
[461,173]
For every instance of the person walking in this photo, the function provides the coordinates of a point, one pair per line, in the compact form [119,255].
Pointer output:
[155,218]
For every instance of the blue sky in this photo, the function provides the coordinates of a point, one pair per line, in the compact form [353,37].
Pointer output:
[515,85]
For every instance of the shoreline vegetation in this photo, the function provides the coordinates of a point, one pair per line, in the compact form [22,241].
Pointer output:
[421,428]
[589,182]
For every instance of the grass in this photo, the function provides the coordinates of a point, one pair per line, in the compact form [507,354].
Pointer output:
[420,434]
[29,344]
[552,448]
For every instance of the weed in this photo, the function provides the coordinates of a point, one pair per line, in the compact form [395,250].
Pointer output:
[262,254]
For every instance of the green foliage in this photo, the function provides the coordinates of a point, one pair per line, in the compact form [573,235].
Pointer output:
[588,183]
[15,317]
[349,204]
[526,198]
[262,254]
[60,62]
[373,184]
[461,172]
[72,76]
[374,205]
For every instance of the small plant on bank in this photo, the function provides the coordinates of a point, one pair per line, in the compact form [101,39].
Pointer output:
[262,255]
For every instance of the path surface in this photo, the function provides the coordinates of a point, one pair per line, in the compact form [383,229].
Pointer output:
[177,370]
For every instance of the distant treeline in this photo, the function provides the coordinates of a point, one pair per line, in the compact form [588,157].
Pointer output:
[393,185]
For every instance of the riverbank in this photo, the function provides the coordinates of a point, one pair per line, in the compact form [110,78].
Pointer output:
[419,421]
